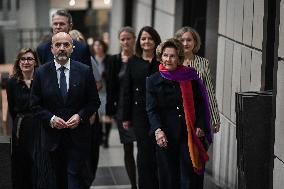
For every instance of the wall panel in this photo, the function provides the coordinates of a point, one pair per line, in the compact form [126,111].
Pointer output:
[222,17]
[228,78]
[237,61]
[248,17]
[256,71]
[161,20]
[238,20]
[230,19]
[257,36]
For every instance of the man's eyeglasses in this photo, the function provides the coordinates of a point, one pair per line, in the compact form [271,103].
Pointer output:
[65,45]
[29,59]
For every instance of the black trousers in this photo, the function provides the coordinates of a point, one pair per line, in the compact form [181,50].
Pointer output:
[22,154]
[146,161]
[175,167]
[67,162]
[92,160]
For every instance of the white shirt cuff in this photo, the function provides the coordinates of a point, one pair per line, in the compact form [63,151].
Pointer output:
[51,121]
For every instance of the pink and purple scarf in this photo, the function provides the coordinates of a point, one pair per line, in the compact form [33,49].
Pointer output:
[184,75]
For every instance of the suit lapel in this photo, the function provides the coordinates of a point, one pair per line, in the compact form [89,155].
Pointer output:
[73,80]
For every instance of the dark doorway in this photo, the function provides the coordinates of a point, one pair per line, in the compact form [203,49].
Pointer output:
[91,22]
[2,55]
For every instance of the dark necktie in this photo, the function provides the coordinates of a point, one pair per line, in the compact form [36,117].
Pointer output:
[63,84]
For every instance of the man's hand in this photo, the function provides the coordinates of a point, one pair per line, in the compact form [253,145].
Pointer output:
[126,125]
[74,121]
[59,123]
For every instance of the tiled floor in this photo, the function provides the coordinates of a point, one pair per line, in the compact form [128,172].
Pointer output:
[111,173]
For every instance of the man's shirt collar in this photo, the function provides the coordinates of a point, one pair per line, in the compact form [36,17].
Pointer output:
[67,65]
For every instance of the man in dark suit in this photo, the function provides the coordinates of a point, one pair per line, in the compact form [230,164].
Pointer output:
[62,22]
[63,97]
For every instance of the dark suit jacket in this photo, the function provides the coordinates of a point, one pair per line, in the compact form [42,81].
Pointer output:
[82,98]
[165,107]
[81,53]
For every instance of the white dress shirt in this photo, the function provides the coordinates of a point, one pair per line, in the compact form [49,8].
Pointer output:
[67,75]
[66,71]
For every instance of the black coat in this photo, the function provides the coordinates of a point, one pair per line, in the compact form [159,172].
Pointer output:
[165,111]
[113,84]
[134,90]
[165,108]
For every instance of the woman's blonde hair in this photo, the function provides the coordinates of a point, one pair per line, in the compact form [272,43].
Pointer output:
[127,29]
[194,34]
[76,35]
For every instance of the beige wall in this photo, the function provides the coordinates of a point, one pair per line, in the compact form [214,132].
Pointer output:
[164,19]
[278,172]
[116,22]
[238,69]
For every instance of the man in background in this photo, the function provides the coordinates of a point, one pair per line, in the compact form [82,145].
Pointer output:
[62,22]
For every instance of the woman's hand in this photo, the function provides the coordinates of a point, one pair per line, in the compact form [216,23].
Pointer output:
[199,132]
[216,128]
[92,118]
[161,138]
[126,124]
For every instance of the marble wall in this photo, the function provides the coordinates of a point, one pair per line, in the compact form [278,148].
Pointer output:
[239,62]
[116,22]
[278,172]
[164,19]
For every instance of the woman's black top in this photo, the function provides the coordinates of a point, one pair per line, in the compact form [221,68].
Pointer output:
[134,90]
[18,94]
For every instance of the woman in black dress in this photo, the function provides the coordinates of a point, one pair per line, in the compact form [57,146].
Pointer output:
[116,70]
[23,131]
[140,66]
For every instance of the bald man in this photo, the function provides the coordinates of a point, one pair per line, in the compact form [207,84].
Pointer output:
[63,97]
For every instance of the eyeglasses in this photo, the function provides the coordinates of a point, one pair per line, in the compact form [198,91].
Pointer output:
[29,59]
[65,45]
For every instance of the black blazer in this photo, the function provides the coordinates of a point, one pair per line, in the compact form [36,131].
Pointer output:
[81,53]
[46,100]
[134,90]
[165,108]
[113,84]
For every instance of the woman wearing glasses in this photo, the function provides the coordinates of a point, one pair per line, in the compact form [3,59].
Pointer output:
[23,130]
